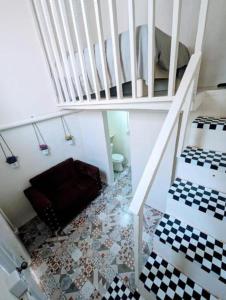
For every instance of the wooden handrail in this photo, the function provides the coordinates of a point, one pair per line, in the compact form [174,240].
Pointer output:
[158,151]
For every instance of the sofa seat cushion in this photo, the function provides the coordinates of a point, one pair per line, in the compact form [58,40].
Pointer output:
[85,184]
[74,194]
[55,176]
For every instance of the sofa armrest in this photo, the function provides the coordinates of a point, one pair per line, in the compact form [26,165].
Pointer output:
[38,200]
[43,206]
[90,170]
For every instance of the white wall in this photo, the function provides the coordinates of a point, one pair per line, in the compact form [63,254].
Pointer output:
[26,90]
[122,14]
[119,127]
[90,146]
[214,54]
[94,141]
[24,144]
[25,84]
[145,127]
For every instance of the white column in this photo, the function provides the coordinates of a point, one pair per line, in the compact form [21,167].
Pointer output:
[115,45]
[174,46]
[133,59]
[151,47]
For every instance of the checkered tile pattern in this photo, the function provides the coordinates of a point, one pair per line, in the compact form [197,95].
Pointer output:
[197,246]
[166,282]
[210,123]
[199,197]
[118,291]
[205,158]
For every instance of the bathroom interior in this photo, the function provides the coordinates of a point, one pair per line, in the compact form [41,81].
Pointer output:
[119,138]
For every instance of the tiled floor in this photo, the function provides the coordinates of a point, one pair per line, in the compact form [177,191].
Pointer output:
[94,248]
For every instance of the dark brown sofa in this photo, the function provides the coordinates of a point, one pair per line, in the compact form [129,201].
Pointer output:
[60,193]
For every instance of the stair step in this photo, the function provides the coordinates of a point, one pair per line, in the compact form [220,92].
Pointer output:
[201,207]
[118,290]
[210,123]
[213,160]
[167,282]
[199,197]
[197,246]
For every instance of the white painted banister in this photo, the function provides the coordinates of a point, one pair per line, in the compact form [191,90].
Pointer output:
[62,48]
[163,137]
[200,32]
[80,50]
[151,47]
[91,51]
[183,98]
[98,17]
[48,49]
[132,35]
[54,48]
[69,43]
[61,32]
[115,46]
[174,46]
[201,25]
[184,122]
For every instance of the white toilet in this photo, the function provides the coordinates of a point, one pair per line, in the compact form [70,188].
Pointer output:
[117,160]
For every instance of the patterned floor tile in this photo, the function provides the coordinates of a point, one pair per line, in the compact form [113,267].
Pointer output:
[95,247]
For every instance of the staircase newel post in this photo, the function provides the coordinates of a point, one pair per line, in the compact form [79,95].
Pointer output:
[138,238]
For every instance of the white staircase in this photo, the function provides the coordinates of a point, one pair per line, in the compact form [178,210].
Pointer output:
[191,235]
[198,205]
[188,259]
[203,166]
[164,281]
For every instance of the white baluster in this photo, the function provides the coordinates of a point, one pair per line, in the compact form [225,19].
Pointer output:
[54,48]
[48,50]
[70,47]
[133,58]
[91,51]
[115,46]
[80,50]
[151,47]
[62,48]
[101,46]
[174,46]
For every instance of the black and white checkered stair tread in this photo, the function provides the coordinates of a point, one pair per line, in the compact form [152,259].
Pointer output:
[167,282]
[118,290]
[199,197]
[210,159]
[211,123]
[197,246]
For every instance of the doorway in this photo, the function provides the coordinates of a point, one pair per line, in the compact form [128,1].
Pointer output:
[119,141]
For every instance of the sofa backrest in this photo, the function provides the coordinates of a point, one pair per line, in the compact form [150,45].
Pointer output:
[50,180]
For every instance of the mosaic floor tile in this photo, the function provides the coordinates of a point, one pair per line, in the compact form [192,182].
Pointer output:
[96,246]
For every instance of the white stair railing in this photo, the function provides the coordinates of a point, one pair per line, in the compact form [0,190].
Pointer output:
[183,98]
[62,37]
[180,108]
